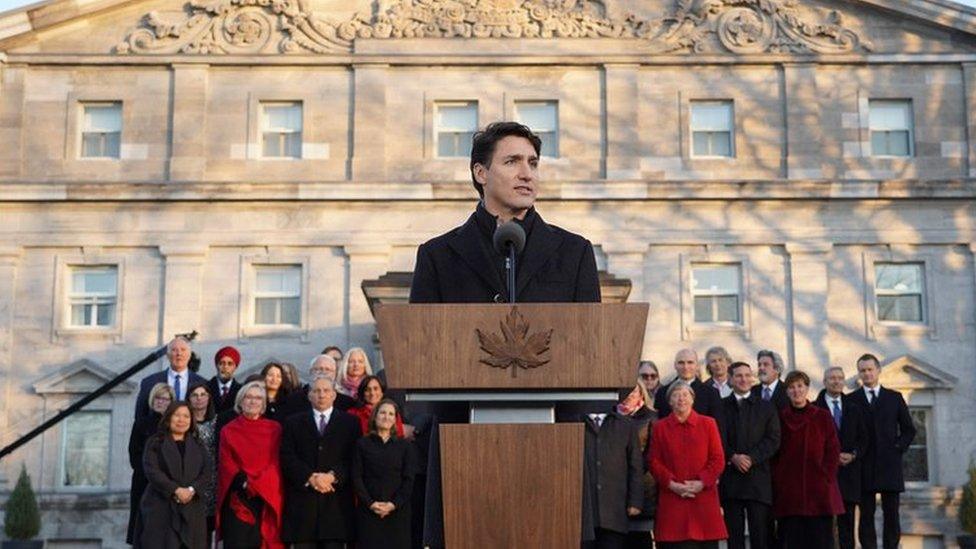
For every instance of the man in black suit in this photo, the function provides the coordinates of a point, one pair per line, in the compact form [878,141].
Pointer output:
[223,387]
[770,366]
[707,400]
[316,458]
[752,436]
[462,266]
[178,376]
[890,432]
[849,419]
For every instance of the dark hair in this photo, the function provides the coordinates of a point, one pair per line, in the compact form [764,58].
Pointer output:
[869,356]
[483,145]
[286,387]
[361,390]
[253,377]
[372,417]
[168,416]
[194,363]
[211,408]
[739,364]
[332,348]
[795,376]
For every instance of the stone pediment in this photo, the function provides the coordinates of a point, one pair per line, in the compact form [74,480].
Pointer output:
[910,373]
[83,376]
[693,26]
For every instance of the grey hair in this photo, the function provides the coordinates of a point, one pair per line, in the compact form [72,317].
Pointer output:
[257,384]
[778,363]
[679,384]
[832,369]
[169,346]
[718,350]
[321,377]
[312,362]
[650,363]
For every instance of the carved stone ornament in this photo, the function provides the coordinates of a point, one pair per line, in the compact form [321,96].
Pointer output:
[696,26]
[514,348]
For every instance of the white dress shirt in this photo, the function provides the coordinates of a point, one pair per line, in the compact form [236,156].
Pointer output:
[184,381]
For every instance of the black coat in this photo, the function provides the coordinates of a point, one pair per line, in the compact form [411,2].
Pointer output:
[383,471]
[309,515]
[226,403]
[164,523]
[148,382]
[612,470]
[853,436]
[707,403]
[751,429]
[142,429]
[890,432]
[779,398]
[461,266]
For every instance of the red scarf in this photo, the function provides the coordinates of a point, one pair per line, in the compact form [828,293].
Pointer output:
[364,412]
[631,403]
[251,446]
[350,385]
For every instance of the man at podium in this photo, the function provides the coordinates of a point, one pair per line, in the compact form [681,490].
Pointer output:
[463,265]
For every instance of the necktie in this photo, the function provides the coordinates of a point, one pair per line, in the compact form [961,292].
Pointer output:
[176,387]
[837,413]
[223,392]
[321,424]
[873,396]
[597,419]
[767,394]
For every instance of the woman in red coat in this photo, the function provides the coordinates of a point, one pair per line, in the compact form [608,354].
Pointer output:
[687,460]
[805,492]
[371,391]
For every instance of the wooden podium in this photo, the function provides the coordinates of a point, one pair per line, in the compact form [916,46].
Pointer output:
[511,477]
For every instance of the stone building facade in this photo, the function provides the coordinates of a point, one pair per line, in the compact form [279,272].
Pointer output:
[793,176]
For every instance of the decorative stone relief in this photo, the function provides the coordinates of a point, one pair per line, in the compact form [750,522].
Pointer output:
[696,26]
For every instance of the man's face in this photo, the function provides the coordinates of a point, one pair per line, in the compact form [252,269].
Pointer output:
[511,182]
[869,372]
[323,366]
[767,370]
[834,382]
[321,394]
[179,355]
[686,365]
[742,380]
[718,366]
[226,368]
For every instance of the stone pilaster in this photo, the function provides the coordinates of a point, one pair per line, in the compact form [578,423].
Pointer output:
[188,160]
[626,260]
[369,122]
[182,289]
[9,259]
[969,80]
[804,133]
[623,130]
[366,262]
[809,285]
[11,117]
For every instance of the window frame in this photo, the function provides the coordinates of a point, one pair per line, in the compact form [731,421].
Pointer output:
[891,292]
[63,447]
[437,131]
[554,131]
[246,326]
[692,131]
[929,409]
[696,293]
[64,265]
[689,329]
[82,130]
[71,296]
[262,129]
[876,328]
[910,129]
[259,294]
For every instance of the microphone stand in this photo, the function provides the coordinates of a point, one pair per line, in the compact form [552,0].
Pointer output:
[510,271]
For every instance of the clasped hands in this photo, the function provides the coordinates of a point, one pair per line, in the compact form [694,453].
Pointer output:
[686,489]
[742,462]
[382,508]
[183,495]
[323,483]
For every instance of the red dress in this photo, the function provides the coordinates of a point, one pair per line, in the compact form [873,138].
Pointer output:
[365,411]
[687,451]
[805,468]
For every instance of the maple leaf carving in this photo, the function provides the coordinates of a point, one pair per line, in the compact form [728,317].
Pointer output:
[514,348]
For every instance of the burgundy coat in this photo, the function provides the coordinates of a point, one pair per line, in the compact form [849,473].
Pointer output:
[805,469]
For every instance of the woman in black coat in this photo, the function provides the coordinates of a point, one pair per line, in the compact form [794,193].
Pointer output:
[383,468]
[160,397]
[173,514]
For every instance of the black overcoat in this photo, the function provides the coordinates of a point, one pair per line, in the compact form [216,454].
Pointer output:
[890,432]
[779,397]
[227,402]
[309,515]
[459,267]
[751,429]
[853,436]
[164,523]
[612,474]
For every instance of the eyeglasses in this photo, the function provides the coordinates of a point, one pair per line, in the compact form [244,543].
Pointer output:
[648,376]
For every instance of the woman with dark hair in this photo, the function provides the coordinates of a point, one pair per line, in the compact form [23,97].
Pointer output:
[172,511]
[278,386]
[371,391]
[160,397]
[805,492]
[383,469]
[638,405]
[204,412]
[249,487]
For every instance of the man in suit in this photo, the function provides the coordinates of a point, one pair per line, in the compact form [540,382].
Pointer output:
[770,366]
[316,459]
[178,376]
[890,431]
[462,266]
[707,400]
[849,420]
[717,361]
[223,387]
[752,435]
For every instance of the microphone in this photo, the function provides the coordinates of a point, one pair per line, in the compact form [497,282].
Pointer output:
[509,234]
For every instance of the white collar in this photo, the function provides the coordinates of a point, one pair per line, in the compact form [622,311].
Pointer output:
[739,397]
[876,389]
[327,413]
[831,399]
[771,386]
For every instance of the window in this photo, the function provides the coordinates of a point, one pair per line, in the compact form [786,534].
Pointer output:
[898,292]
[543,118]
[93,296]
[454,126]
[278,295]
[84,451]
[281,130]
[916,459]
[101,132]
[890,122]
[715,290]
[711,129]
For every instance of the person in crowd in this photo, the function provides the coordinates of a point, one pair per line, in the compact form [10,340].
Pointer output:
[278,387]
[178,376]
[717,361]
[752,436]
[707,401]
[323,365]
[158,399]
[334,352]
[650,378]
[770,366]
[890,432]
[686,460]
[291,376]
[249,486]
[316,462]
[355,366]
[172,510]
[805,492]
[223,387]
[371,391]
[383,468]
[204,417]
[849,421]
[612,470]
[637,406]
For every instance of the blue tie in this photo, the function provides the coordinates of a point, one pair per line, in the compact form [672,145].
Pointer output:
[837,414]
[176,387]
[767,394]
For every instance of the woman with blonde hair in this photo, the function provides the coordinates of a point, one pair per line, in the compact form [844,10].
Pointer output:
[160,397]
[355,366]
